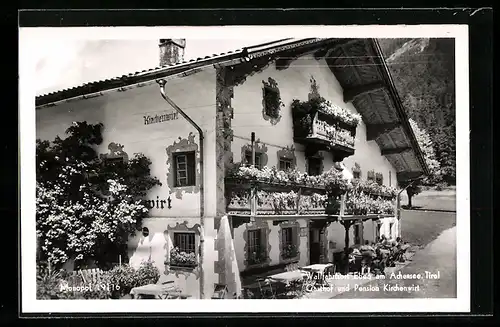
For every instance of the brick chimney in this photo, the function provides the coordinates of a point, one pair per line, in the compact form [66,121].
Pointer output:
[171,51]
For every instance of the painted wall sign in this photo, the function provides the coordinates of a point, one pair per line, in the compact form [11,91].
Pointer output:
[158,204]
[148,120]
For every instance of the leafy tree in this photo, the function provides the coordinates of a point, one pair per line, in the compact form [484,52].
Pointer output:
[435,176]
[86,208]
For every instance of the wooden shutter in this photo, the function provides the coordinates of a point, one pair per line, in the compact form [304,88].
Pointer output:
[191,168]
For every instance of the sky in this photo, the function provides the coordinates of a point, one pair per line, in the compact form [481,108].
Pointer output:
[63,64]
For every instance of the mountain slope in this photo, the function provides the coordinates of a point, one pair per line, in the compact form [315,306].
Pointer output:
[424,73]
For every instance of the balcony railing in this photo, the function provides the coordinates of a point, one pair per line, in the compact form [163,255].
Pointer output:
[252,196]
[332,133]
[268,198]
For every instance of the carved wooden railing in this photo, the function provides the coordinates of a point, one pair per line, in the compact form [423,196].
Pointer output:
[324,130]
[250,197]
[256,198]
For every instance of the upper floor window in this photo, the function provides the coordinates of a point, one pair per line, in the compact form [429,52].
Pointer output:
[286,164]
[314,166]
[258,159]
[371,176]
[185,171]
[379,178]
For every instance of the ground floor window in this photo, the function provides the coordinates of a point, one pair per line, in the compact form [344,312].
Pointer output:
[256,248]
[184,250]
[289,248]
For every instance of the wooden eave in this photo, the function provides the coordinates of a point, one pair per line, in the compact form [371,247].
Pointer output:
[360,68]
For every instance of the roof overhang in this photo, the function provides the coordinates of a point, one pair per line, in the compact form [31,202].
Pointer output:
[361,70]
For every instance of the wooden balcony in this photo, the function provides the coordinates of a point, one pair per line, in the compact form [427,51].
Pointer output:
[264,198]
[326,133]
[252,198]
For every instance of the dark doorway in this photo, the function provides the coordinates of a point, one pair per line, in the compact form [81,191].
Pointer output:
[314,246]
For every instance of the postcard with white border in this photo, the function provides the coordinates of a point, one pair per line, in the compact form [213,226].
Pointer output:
[246,164]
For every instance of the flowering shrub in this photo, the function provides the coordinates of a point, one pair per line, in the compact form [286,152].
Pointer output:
[147,273]
[84,208]
[182,259]
[123,276]
[289,251]
[59,285]
[48,284]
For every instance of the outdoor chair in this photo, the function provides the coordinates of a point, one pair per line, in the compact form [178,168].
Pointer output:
[295,289]
[266,289]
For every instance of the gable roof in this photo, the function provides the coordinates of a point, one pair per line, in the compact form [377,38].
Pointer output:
[358,65]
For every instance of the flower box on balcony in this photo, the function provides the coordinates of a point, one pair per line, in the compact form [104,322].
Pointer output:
[322,123]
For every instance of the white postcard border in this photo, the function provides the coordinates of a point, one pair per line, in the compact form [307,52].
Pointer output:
[27,77]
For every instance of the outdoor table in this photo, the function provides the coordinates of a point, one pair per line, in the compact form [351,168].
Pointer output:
[288,276]
[290,279]
[157,291]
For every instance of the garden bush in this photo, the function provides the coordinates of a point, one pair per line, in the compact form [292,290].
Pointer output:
[147,274]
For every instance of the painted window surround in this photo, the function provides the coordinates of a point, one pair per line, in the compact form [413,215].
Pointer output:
[182,145]
[260,148]
[182,228]
[266,230]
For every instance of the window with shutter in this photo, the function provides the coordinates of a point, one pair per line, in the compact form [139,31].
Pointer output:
[256,246]
[185,169]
